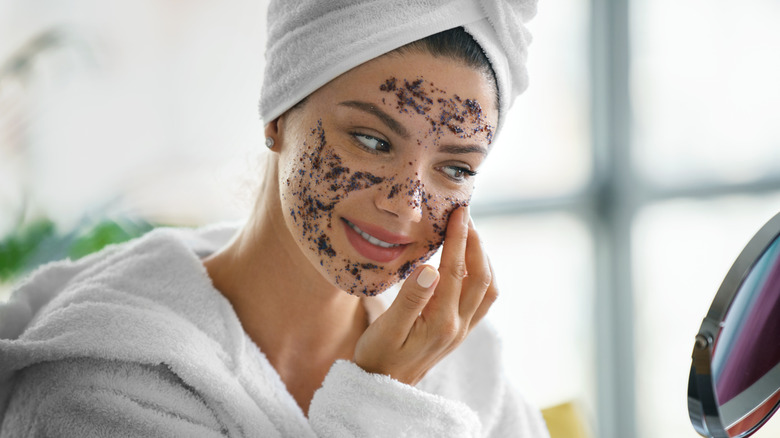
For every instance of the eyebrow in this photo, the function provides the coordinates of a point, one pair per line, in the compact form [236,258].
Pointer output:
[385,118]
[453,149]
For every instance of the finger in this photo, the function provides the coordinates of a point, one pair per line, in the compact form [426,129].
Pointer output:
[412,299]
[490,297]
[479,276]
[453,262]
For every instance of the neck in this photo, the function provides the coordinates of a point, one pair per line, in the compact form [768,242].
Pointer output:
[284,304]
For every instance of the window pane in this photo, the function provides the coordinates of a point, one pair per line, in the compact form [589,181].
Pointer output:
[544,268]
[682,251]
[544,148]
[705,89]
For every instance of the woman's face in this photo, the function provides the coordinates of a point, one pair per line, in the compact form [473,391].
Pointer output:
[373,163]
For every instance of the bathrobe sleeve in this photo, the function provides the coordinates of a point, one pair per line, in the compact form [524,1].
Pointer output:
[355,403]
[98,398]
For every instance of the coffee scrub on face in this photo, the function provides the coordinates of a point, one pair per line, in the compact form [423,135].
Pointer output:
[320,179]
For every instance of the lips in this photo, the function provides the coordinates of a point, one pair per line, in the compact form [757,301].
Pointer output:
[373,242]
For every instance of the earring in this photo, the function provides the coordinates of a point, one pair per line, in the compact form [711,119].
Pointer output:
[269,142]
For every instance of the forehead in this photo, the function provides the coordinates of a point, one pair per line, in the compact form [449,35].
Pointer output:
[449,76]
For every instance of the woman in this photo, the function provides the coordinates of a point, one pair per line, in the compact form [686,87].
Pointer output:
[274,329]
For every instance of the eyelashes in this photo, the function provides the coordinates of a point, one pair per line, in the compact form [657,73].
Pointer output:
[374,145]
[458,173]
[371,143]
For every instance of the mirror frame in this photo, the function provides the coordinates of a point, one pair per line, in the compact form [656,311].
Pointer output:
[702,402]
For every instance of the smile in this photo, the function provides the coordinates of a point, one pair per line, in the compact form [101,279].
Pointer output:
[370,238]
[383,250]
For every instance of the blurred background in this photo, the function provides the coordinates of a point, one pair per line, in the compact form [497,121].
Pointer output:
[630,175]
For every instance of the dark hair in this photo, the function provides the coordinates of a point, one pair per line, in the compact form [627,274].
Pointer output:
[457,44]
[453,43]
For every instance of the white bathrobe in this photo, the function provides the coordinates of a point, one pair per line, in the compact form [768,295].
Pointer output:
[134,341]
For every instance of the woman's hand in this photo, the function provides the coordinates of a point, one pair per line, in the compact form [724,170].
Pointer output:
[434,311]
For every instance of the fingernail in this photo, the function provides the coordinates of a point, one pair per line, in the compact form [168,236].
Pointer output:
[466,215]
[426,277]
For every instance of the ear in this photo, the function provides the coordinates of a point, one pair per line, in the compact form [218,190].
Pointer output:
[272,135]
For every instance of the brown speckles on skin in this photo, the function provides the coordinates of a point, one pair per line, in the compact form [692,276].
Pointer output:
[388,85]
[405,269]
[456,115]
[322,179]
[394,191]
[411,97]
[323,245]
[313,207]
[414,192]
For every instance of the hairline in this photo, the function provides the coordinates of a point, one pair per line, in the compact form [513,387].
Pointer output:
[421,47]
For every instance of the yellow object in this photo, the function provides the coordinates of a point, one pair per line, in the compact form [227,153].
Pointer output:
[566,420]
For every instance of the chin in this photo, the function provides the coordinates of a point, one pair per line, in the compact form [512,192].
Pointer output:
[366,283]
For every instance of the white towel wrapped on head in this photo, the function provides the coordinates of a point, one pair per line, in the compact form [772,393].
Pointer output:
[311,42]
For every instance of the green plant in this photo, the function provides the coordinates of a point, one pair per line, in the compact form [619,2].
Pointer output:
[37,242]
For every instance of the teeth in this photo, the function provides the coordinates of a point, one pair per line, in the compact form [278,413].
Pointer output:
[371,238]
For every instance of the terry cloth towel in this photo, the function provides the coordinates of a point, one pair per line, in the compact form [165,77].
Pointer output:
[311,42]
[134,341]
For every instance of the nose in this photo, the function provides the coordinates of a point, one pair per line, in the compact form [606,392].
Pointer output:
[402,199]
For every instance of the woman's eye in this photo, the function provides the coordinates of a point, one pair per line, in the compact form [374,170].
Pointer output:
[458,173]
[372,143]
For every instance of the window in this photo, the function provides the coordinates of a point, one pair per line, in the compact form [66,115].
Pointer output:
[706,150]
[636,202]
[531,209]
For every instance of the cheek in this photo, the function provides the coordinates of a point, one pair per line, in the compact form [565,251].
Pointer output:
[311,185]
[313,181]
[303,199]
[317,179]
[436,210]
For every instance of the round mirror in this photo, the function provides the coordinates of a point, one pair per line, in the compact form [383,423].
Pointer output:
[734,385]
